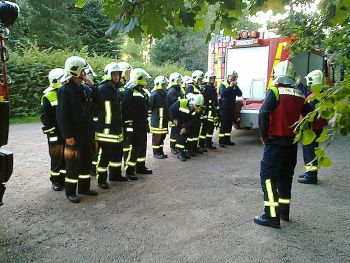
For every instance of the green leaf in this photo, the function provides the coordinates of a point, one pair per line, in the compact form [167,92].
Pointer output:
[80,3]
[324,162]
[316,88]
[342,107]
[324,135]
[308,137]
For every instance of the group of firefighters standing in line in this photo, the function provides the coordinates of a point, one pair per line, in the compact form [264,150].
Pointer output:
[89,126]
[91,129]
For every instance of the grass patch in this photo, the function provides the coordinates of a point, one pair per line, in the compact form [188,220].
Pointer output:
[26,119]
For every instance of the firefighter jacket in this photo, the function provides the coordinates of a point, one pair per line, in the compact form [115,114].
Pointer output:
[136,113]
[48,116]
[159,111]
[109,126]
[180,111]
[228,96]
[319,123]
[193,89]
[280,111]
[174,94]
[74,111]
[210,102]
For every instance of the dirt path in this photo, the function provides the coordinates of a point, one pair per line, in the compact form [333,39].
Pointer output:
[198,211]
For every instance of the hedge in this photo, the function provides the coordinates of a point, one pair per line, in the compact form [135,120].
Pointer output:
[29,68]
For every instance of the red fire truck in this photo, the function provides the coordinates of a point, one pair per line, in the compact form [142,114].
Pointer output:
[253,55]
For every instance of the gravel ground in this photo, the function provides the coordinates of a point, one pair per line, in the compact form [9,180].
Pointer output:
[197,211]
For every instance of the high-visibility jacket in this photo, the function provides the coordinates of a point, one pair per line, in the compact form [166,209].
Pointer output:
[48,115]
[159,111]
[193,89]
[109,126]
[290,104]
[180,111]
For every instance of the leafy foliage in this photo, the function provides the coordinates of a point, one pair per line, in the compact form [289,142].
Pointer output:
[59,25]
[29,68]
[155,17]
[183,47]
[328,31]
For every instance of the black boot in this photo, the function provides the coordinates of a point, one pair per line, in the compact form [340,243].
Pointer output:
[265,220]
[181,156]
[308,179]
[283,211]
[187,154]
[57,187]
[103,185]
[131,176]
[143,170]
[302,175]
[73,198]
[173,150]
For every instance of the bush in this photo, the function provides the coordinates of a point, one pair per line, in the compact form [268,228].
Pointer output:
[28,69]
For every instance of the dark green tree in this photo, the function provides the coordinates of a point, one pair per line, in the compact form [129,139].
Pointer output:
[183,47]
[91,28]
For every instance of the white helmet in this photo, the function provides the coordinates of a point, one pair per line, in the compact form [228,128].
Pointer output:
[124,66]
[73,67]
[175,78]
[54,77]
[197,74]
[208,75]
[159,81]
[139,76]
[233,73]
[109,69]
[187,80]
[197,100]
[284,73]
[315,77]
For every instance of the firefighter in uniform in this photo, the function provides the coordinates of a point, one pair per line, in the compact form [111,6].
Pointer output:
[182,114]
[48,119]
[228,92]
[126,69]
[281,109]
[193,88]
[136,122]
[174,93]
[310,175]
[211,105]
[159,116]
[74,119]
[109,132]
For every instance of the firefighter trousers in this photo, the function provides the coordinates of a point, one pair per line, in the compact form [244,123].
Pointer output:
[226,123]
[181,139]
[173,135]
[158,143]
[78,160]
[193,135]
[309,156]
[137,155]
[276,175]
[109,161]
[58,171]
[207,130]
